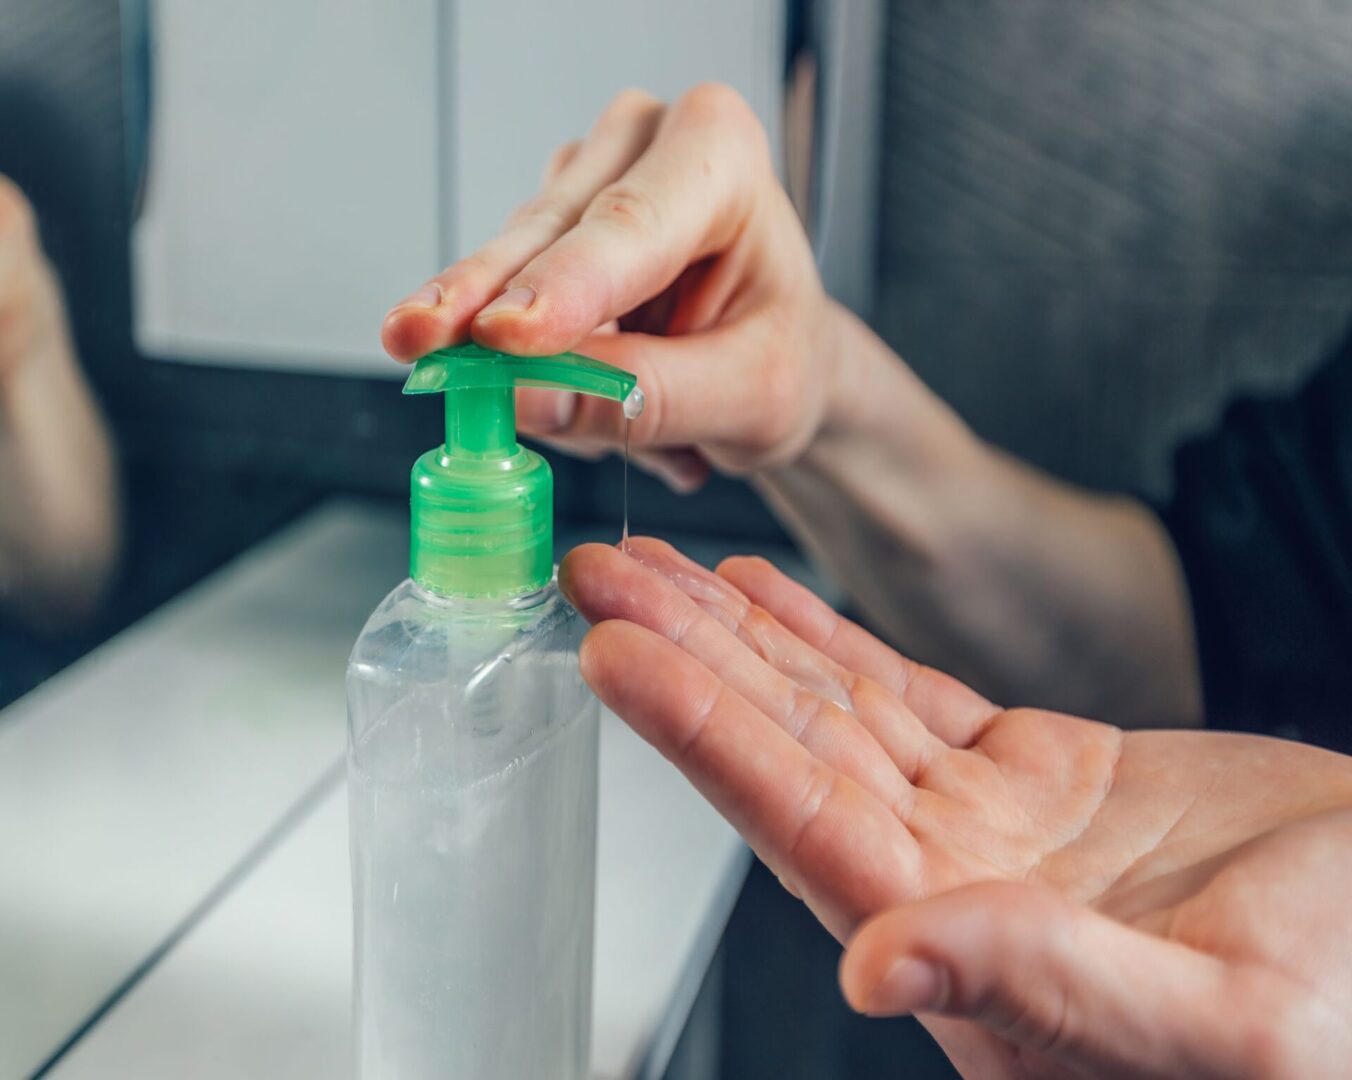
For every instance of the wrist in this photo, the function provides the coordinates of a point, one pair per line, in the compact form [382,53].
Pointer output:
[890,465]
[879,411]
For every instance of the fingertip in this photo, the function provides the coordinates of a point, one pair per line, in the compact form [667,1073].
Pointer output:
[408,333]
[853,980]
[764,584]
[598,653]
[738,568]
[580,568]
[882,974]
[865,960]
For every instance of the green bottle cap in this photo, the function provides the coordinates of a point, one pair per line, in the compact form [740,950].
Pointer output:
[483,505]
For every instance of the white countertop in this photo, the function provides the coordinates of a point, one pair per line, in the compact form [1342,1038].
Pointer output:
[175,899]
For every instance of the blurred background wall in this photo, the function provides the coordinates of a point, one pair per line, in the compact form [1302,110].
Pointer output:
[1099,221]
[1095,223]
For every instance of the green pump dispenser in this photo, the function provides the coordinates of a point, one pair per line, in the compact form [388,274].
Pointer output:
[482,504]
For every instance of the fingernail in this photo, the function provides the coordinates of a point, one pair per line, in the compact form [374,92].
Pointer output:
[681,475]
[682,480]
[910,985]
[512,302]
[428,296]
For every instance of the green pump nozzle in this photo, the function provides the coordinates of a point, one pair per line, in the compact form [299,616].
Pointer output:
[483,505]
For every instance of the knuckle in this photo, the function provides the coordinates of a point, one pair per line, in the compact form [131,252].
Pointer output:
[779,404]
[719,106]
[1272,1040]
[715,102]
[544,211]
[17,219]
[628,206]
[760,564]
[819,790]
[1268,1049]
[808,712]
[704,706]
[629,103]
[560,158]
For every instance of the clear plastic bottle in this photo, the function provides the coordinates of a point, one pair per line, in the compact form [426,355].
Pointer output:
[472,786]
[472,757]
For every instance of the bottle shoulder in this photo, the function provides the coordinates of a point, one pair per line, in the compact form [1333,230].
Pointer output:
[412,626]
[442,690]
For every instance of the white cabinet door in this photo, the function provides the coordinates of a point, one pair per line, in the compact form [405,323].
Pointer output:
[309,161]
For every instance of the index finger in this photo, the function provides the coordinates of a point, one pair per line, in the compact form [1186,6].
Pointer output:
[686,197]
[842,850]
[439,313]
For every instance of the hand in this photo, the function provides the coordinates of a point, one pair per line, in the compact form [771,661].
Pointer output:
[664,244]
[1056,897]
[59,519]
[31,314]
[667,228]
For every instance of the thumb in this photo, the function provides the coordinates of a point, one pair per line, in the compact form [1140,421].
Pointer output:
[1059,979]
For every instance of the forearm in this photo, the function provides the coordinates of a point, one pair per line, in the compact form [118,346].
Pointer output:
[1038,593]
[59,526]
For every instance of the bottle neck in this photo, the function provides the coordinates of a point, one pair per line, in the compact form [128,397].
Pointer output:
[472,607]
[481,423]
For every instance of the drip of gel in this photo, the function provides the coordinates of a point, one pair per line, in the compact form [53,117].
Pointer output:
[633,409]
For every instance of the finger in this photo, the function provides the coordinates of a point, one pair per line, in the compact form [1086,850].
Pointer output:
[954,712]
[717,387]
[1060,980]
[560,159]
[686,197]
[584,451]
[902,737]
[684,471]
[844,852]
[18,224]
[439,313]
[805,666]
[604,583]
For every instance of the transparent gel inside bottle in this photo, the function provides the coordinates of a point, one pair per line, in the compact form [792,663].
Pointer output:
[472,782]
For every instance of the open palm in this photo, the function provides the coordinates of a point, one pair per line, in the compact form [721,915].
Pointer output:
[1055,896]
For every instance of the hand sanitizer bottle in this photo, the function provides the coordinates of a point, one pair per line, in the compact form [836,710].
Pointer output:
[472,758]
